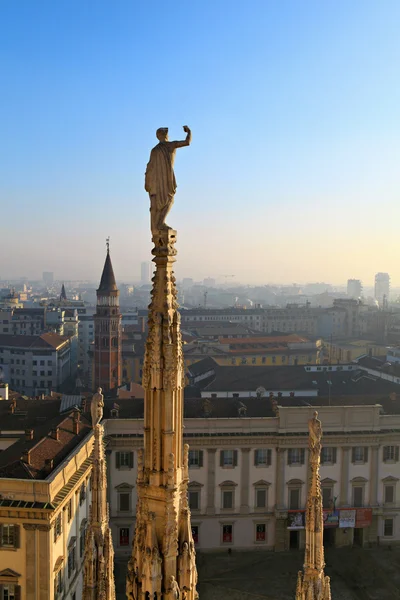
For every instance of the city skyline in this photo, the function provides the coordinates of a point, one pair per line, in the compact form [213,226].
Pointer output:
[292,174]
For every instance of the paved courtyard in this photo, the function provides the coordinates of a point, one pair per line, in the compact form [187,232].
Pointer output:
[356,574]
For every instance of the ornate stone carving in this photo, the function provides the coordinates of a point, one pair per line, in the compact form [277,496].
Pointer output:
[98,561]
[96,407]
[312,584]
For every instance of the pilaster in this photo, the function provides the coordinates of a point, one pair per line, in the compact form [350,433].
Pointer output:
[280,478]
[344,477]
[374,475]
[244,481]
[211,464]
[31,561]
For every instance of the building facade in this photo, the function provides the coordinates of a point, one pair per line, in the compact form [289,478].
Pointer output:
[248,478]
[35,364]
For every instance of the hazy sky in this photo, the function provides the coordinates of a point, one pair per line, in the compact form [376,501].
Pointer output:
[293,173]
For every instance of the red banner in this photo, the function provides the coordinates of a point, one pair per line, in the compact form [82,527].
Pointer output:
[227,533]
[363,517]
[195,534]
[124,536]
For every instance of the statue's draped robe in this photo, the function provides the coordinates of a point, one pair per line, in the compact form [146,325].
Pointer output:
[160,178]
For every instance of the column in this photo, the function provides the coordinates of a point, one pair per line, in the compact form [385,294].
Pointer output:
[210,510]
[31,559]
[280,478]
[245,481]
[344,477]
[373,480]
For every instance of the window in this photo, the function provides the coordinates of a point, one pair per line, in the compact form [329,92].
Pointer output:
[390,453]
[359,454]
[327,496]
[82,538]
[228,458]
[69,510]
[263,360]
[42,363]
[195,533]
[262,457]
[253,360]
[124,499]
[261,532]
[261,497]
[57,527]
[10,591]
[71,559]
[388,527]
[328,456]
[124,536]
[195,458]
[58,583]
[49,363]
[194,499]
[82,494]
[227,499]
[244,360]
[124,460]
[296,456]
[389,494]
[358,493]
[9,536]
[227,534]
[274,360]
[294,498]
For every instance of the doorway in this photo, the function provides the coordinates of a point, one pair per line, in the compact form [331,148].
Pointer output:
[294,540]
[358,537]
[329,537]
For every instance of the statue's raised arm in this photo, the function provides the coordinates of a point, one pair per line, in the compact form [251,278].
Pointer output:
[160,180]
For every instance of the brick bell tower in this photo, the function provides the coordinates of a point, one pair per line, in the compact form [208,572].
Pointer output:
[107,331]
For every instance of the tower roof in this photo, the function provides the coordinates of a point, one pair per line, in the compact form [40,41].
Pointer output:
[63,295]
[107,282]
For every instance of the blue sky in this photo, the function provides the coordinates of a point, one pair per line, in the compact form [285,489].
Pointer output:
[294,106]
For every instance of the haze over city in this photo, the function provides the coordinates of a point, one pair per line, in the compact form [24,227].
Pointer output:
[292,174]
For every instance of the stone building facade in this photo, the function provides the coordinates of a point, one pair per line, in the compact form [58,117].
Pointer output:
[248,478]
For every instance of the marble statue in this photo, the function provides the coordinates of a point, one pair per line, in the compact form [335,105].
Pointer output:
[315,434]
[160,180]
[96,408]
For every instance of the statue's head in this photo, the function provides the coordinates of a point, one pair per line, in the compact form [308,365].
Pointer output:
[99,390]
[162,134]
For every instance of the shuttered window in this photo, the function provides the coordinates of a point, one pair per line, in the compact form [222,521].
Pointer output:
[228,458]
[359,454]
[296,456]
[124,460]
[391,453]
[9,535]
[328,456]
[262,457]
[195,458]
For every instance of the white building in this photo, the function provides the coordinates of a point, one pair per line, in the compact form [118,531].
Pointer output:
[382,287]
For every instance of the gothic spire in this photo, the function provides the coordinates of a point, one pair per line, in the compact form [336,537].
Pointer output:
[312,584]
[98,562]
[63,295]
[163,562]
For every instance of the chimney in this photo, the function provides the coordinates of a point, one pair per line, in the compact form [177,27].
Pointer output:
[55,433]
[48,465]
[26,457]
[28,435]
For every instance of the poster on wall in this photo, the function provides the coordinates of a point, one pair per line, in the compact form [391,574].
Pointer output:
[331,518]
[347,518]
[296,519]
[363,517]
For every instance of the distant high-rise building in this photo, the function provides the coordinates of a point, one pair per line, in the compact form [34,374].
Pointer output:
[107,332]
[145,273]
[382,287]
[209,282]
[48,278]
[354,288]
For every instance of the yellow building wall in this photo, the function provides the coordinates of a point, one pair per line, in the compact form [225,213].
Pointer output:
[272,360]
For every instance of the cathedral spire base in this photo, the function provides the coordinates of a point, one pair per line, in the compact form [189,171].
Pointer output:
[312,583]
[162,565]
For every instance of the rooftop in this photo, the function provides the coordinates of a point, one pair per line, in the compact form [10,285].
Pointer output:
[44,341]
